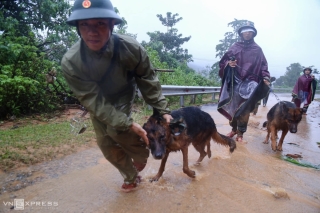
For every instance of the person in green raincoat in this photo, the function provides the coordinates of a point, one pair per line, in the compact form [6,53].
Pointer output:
[104,70]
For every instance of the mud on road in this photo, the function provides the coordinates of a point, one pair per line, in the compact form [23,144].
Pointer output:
[252,179]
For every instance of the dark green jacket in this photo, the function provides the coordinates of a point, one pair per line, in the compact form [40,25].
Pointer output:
[110,101]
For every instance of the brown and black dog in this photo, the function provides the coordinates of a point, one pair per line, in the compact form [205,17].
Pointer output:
[283,116]
[189,125]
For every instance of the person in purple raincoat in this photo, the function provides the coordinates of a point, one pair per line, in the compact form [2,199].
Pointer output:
[304,89]
[245,80]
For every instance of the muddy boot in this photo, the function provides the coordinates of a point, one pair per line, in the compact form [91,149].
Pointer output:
[128,187]
[239,137]
[231,134]
[305,109]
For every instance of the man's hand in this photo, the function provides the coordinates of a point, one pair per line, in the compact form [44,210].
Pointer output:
[266,82]
[233,63]
[136,128]
[167,117]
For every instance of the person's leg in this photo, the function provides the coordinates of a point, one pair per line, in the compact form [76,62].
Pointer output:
[305,109]
[132,145]
[255,110]
[233,132]
[265,100]
[117,154]
[297,102]
[305,102]
[242,126]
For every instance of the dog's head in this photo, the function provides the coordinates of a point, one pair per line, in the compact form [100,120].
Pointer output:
[293,117]
[160,133]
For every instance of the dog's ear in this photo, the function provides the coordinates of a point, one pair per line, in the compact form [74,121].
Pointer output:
[284,107]
[156,112]
[302,110]
[177,125]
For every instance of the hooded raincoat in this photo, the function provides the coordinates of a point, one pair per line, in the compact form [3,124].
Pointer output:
[304,90]
[242,86]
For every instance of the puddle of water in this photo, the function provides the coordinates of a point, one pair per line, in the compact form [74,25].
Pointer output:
[251,179]
[23,177]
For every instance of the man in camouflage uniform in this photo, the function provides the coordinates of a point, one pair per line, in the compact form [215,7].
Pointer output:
[104,70]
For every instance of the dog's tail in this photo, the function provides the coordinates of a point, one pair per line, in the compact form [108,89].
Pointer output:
[224,140]
[265,124]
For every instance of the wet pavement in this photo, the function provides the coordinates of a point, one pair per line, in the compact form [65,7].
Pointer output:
[252,179]
[26,176]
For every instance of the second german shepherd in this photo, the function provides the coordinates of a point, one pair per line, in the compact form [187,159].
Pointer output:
[189,125]
[283,116]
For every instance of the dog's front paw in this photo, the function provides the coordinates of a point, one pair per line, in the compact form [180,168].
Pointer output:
[190,173]
[155,178]
[279,148]
[209,154]
[266,142]
[193,174]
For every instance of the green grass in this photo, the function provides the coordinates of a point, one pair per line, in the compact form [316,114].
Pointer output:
[300,162]
[33,143]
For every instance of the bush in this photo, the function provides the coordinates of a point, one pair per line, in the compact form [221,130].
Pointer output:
[22,80]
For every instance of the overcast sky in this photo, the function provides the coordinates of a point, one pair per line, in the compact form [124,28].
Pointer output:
[288,30]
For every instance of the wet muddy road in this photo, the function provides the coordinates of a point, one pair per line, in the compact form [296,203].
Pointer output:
[252,179]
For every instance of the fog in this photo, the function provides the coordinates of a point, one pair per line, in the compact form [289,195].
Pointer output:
[288,31]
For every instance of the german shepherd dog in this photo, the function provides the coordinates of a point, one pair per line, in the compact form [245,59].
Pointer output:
[189,125]
[283,116]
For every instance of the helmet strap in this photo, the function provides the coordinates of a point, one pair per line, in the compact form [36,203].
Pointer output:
[111,24]
[78,31]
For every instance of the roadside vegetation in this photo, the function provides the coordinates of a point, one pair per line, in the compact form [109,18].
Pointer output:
[42,137]
[33,92]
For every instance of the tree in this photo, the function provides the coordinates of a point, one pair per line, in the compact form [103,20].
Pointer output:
[293,72]
[168,44]
[122,28]
[34,38]
[37,14]
[229,37]
[214,72]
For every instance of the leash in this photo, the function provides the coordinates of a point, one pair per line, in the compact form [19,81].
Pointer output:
[278,99]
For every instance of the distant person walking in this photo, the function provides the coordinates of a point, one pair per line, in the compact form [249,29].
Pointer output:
[265,99]
[304,90]
[245,80]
